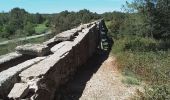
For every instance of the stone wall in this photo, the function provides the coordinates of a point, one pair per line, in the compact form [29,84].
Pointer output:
[40,80]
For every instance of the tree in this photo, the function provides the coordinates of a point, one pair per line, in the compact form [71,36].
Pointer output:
[17,17]
[85,15]
[18,21]
[86,18]
[10,29]
[67,20]
[155,15]
[29,29]
[38,18]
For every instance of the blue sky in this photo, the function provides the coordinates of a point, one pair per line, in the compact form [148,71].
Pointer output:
[55,6]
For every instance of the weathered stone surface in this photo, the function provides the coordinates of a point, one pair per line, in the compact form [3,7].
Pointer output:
[19,91]
[57,69]
[5,60]
[44,66]
[33,49]
[84,26]
[9,77]
[8,57]
[66,36]
[41,70]
[50,41]
[60,45]
[12,59]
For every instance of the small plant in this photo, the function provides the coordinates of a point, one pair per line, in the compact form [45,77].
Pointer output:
[130,78]
[131,81]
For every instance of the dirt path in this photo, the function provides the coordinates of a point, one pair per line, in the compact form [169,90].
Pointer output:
[100,80]
[106,84]
[24,38]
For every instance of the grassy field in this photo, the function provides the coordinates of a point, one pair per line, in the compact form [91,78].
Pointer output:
[10,47]
[2,39]
[41,28]
[145,60]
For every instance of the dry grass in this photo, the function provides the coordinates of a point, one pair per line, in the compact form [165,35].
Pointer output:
[146,63]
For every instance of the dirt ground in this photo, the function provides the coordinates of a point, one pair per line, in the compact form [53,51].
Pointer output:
[98,80]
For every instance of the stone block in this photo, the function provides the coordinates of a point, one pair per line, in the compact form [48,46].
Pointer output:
[8,57]
[60,45]
[10,76]
[19,91]
[33,49]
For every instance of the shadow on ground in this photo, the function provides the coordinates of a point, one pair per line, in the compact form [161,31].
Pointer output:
[74,88]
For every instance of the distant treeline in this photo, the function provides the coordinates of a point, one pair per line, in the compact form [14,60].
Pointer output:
[147,18]
[19,22]
[67,20]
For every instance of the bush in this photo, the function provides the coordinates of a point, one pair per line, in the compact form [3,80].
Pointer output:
[29,29]
[131,81]
[130,78]
[136,44]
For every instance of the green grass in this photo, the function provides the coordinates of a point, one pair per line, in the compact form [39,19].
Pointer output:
[10,47]
[3,39]
[36,40]
[130,78]
[41,28]
[7,48]
[108,23]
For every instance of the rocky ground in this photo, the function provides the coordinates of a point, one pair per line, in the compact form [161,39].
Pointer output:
[98,80]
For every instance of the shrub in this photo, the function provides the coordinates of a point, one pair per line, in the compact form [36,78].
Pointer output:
[148,59]
[135,43]
[130,78]
[131,81]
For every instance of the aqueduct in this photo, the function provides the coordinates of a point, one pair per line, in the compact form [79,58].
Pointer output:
[35,71]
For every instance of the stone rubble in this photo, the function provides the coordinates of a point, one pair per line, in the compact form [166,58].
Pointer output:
[9,77]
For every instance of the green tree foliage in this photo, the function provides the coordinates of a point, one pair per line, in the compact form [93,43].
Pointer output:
[145,41]
[29,29]
[147,18]
[155,15]
[18,22]
[67,20]
[114,21]
[86,15]
[162,19]
[17,16]
[38,18]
